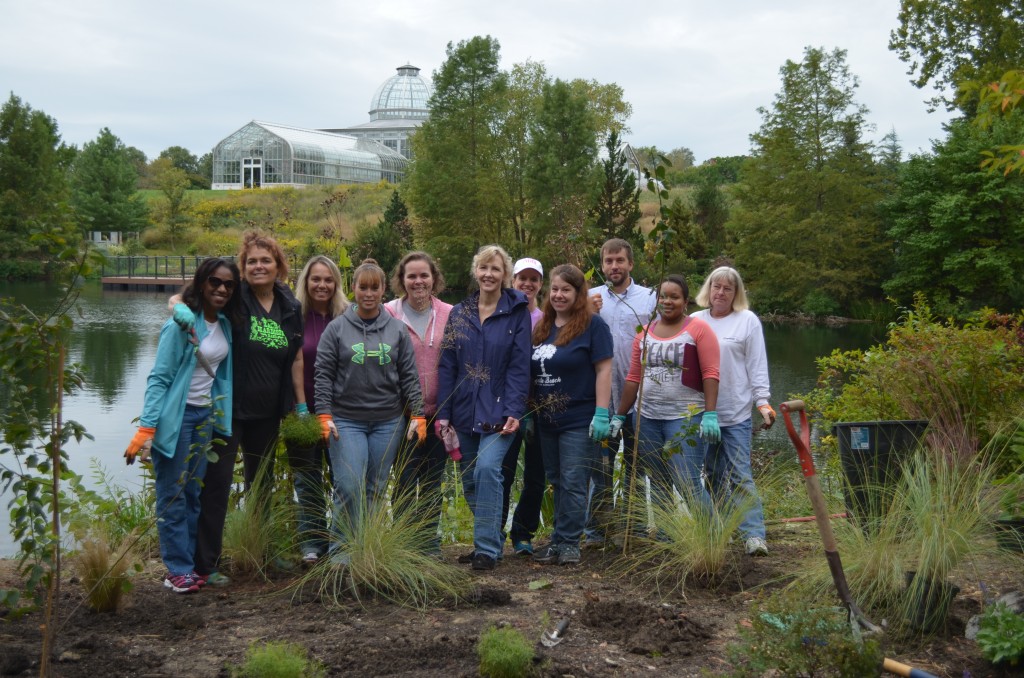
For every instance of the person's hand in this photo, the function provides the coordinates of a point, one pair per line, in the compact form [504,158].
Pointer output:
[709,429]
[327,427]
[596,303]
[510,427]
[141,442]
[184,316]
[417,429]
[615,425]
[301,409]
[768,414]
[449,437]
[599,426]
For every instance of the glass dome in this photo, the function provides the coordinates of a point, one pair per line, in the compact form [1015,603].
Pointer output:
[403,96]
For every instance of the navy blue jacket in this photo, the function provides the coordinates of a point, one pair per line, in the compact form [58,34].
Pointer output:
[484,371]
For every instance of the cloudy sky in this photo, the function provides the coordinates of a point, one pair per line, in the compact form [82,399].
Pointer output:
[189,73]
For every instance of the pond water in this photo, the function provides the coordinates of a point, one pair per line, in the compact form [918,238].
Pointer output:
[115,340]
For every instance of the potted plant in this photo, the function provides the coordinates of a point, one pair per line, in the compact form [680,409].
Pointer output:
[300,431]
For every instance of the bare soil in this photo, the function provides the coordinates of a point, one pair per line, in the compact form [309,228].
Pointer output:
[617,627]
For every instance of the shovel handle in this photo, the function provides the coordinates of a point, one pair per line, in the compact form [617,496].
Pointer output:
[895,667]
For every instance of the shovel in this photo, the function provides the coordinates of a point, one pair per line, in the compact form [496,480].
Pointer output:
[552,638]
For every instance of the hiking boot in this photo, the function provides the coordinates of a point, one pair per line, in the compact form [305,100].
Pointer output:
[467,558]
[549,555]
[756,546]
[568,554]
[482,561]
[523,548]
[181,583]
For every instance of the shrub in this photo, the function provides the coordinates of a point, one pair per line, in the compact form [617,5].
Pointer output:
[279,660]
[1001,635]
[504,653]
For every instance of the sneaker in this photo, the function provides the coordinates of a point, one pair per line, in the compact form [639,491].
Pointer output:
[756,546]
[523,548]
[467,558]
[216,579]
[310,557]
[548,555]
[200,579]
[482,561]
[181,583]
[568,554]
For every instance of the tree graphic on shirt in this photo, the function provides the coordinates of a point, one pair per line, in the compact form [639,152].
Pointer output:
[542,353]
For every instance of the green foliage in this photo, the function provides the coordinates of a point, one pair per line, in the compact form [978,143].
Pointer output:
[617,210]
[113,512]
[34,215]
[300,430]
[279,660]
[173,210]
[1001,635]
[710,209]
[946,43]
[968,380]
[1000,99]
[786,638]
[103,183]
[182,159]
[389,239]
[806,219]
[959,226]
[504,653]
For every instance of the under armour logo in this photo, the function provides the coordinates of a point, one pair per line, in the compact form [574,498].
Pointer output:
[380,354]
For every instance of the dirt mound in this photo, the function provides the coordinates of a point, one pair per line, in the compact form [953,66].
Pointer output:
[646,629]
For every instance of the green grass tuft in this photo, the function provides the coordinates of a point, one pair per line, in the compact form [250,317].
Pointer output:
[279,660]
[504,653]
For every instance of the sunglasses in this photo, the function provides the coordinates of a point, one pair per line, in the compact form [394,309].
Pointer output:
[488,428]
[216,282]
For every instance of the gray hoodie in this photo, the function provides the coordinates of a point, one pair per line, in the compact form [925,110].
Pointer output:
[366,371]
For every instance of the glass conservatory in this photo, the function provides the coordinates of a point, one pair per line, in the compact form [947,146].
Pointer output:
[265,154]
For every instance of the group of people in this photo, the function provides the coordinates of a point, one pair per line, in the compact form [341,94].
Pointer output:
[497,375]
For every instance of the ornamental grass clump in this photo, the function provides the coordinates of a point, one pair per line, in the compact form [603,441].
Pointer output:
[504,653]
[300,431]
[104,571]
[260,530]
[385,550]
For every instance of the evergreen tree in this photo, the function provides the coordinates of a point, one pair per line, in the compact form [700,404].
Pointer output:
[618,204]
[33,180]
[389,239]
[103,184]
[807,229]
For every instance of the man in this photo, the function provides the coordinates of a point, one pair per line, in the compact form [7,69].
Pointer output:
[624,305]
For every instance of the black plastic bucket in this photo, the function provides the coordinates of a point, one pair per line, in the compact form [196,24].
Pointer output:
[871,453]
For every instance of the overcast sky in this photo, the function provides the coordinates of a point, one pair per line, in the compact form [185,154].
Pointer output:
[189,73]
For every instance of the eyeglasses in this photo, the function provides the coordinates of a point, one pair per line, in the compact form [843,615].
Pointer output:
[216,282]
[488,428]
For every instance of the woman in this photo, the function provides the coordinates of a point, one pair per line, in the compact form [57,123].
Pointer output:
[319,290]
[571,366]
[267,378]
[677,359]
[528,278]
[188,393]
[483,379]
[366,380]
[417,282]
[744,369]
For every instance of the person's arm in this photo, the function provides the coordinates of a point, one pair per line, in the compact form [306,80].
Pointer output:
[324,370]
[633,378]
[409,376]
[299,382]
[603,382]
[447,367]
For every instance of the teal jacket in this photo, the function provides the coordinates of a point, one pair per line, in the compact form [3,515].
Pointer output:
[167,387]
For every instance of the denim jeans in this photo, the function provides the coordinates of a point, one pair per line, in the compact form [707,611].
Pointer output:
[311,491]
[422,465]
[178,482]
[570,459]
[728,467]
[361,459]
[482,454]
[600,503]
[686,463]
[526,518]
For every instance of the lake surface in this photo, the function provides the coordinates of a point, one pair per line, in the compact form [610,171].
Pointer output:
[115,340]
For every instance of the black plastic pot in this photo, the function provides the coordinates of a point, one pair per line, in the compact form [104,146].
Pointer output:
[1010,534]
[871,453]
[929,606]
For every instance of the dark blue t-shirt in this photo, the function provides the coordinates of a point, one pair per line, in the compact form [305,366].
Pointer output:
[564,391]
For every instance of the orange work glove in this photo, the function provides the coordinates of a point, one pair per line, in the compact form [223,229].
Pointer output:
[768,414]
[327,426]
[417,429]
[142,441]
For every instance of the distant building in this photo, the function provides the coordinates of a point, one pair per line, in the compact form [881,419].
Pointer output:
[268,154]
[397,108]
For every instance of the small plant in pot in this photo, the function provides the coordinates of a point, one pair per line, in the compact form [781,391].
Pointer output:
[300,431]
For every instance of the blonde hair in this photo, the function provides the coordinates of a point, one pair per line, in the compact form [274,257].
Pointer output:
[739,302]
[488,252]
[338,302]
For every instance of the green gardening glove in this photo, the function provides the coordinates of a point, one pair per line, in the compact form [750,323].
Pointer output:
[709,429]
[615,428]
[599,425]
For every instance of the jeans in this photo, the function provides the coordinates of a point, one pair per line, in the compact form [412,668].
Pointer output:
[526,518]
[570,459]
[422,465]
[482,454]
[178,482]
[728,468]
[686,462]
[600,508]
[361,459]
[308,474]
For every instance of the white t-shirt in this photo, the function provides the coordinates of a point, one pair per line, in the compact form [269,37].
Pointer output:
[743,367]
[214,348]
